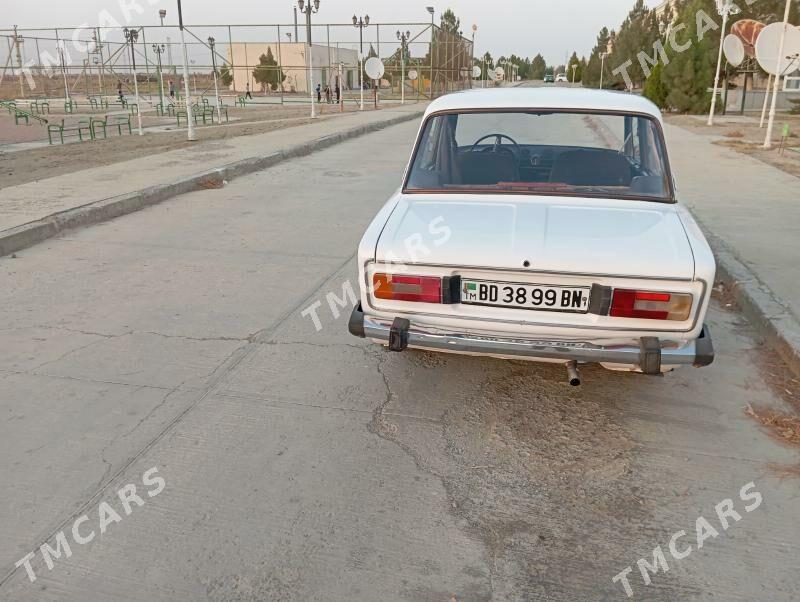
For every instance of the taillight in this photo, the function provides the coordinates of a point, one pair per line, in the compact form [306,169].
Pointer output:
[422,289]
[650,305]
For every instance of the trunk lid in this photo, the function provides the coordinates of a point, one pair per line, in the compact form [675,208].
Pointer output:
[553,234]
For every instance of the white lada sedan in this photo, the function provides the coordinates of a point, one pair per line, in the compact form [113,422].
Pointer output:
[539,224]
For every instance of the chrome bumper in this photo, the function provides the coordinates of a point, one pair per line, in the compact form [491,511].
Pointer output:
[648,356]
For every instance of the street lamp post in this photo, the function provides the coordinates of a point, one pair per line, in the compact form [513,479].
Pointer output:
[778,69]
[131,35]
[403,37]
[61,52]
[574,68]
[211,43]
[308,8]
[603,56]
[361,23]
[192,136]
[725,9]
[431,10]
[159,49]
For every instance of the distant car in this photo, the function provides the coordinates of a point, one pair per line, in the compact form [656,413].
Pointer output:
[539,224]
[549,78]
[561,77]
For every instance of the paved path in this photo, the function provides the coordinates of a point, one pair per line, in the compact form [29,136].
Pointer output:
[305,465]
[36,200]
[752,207]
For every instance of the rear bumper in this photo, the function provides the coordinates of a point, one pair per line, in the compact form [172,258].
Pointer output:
[647,355]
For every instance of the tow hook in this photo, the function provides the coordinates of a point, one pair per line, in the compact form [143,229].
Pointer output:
[398,334]
[573,376]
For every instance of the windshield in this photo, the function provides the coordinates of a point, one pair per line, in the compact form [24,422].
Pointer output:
[586,154]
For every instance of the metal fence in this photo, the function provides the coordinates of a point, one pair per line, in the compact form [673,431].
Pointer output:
[273,62]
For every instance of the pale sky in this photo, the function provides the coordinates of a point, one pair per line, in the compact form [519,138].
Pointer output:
[523,27]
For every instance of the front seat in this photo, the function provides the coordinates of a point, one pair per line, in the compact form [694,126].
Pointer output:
[591,168]
[486,169]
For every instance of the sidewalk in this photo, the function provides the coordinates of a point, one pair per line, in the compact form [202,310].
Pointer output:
[163,175]
[751,214]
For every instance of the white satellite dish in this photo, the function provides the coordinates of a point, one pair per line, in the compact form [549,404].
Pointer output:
[374,68]
[499,73]
[768,44]
[733,47]
[412,75]
[476,72]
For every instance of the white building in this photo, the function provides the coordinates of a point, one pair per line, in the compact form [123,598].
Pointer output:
[292,60]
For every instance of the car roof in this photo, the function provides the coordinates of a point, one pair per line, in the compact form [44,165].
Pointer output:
[544,98]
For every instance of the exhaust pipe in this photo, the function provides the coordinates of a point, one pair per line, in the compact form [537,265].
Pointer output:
[573,376]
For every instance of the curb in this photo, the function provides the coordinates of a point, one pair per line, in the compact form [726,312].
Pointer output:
[772,319]
[29,234]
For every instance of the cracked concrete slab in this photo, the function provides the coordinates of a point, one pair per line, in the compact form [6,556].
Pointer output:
[60,438]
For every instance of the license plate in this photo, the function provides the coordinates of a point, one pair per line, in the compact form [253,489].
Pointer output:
[526,296]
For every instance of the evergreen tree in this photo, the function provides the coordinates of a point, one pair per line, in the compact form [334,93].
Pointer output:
[538,67]
[655,89]
[449,22]
[225,76]
[638,33]
[690,73]
[591,75]
[267,72]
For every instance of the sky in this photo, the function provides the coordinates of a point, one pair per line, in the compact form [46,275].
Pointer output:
[523,27]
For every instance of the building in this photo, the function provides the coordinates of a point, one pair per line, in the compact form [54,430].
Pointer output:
[292,61]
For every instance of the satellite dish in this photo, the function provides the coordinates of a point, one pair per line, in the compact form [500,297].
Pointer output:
[733,47]
[374,68]
[768,44]
[412,75]
[499,73]
[476,72]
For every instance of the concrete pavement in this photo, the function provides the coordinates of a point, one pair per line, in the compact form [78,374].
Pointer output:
[32,212]
[305,465]
[750,212]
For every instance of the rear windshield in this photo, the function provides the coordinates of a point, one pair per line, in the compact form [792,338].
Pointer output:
[534,152]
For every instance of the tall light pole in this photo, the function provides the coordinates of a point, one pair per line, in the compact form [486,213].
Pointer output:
[131,35]
[431,10]
[725,9]
[361,23]
[603,56]
[211,43]
[161,14]
[308,9]
[296,32]
[403,37]
[778,69]
[192,135]
[159,49]
[61,53]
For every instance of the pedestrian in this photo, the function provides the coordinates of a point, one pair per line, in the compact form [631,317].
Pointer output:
[338,94]
[171,88]
[247,93]
[119,90]
[319,93]
[328,94]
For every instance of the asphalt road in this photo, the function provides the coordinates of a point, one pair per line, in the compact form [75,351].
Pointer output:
[305,465]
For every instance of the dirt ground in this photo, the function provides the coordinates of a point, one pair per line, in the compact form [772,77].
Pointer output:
[21,166]
[745,136]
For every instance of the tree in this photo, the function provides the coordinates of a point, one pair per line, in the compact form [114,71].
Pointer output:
[449,22]
[689,74]
[579,66]
[655,89]
[591,75]
[267,72]
[638,33]
[225,76]
[538,67]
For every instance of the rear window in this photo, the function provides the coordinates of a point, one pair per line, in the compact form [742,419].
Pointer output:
[570,153]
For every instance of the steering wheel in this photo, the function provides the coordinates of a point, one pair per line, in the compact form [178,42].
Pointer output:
[498,145]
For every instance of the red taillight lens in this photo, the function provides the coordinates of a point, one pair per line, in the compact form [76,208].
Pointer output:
[393,287]
[650,305]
